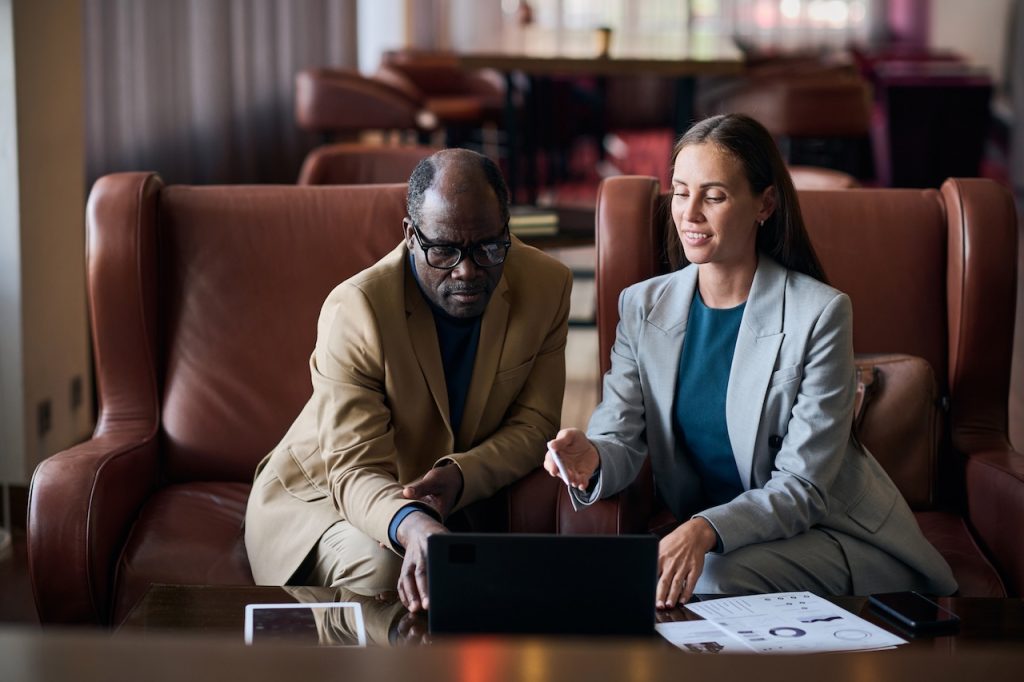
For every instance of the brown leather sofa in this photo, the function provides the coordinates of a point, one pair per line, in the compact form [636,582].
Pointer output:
[203,303]
[932,275]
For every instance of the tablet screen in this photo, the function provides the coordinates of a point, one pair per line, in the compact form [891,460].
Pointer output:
[318,624]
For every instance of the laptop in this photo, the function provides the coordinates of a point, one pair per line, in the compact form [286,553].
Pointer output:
[542,584]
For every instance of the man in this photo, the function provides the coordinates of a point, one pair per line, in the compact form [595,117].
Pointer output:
[437,380]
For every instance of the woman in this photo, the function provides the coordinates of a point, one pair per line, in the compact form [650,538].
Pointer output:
[735,376]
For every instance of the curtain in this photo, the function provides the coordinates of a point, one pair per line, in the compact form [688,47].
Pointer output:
[201,91]
[1014,76]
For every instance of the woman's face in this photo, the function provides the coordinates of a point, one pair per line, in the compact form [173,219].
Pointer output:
[715,211]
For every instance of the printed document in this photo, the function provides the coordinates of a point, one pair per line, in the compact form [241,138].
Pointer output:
[793,622]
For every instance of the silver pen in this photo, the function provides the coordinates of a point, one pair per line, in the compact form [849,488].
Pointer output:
[565,477]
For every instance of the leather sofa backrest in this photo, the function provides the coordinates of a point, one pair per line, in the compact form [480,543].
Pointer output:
[242,272]
[887,251]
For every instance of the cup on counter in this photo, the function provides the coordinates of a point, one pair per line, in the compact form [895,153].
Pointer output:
[603,37]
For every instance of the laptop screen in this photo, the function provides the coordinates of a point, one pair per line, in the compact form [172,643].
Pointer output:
[542,584]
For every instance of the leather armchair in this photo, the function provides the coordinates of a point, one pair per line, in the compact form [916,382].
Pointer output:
[446,88]
[203,303]
[931,274]
[361,164]
[342,103]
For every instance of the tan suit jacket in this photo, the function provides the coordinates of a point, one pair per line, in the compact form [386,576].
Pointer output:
[378,416]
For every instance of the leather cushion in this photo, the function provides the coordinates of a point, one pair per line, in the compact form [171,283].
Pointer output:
[899,420]
[188,534]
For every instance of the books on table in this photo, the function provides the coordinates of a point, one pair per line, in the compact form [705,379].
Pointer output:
[532,221]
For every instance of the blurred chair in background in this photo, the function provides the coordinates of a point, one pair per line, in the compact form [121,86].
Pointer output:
[820,113]
[932,115]
[811,177]
[361,164]
[464,102]
[342,104]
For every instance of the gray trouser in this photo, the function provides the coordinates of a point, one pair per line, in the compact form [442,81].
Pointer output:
[813,561]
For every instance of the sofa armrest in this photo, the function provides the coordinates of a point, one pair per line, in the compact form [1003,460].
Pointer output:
[629,512]
[994,480]
[82,503]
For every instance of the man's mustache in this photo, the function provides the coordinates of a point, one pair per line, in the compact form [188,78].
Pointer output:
[466,288]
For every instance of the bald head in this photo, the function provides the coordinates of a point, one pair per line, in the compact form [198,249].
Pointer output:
[459,171]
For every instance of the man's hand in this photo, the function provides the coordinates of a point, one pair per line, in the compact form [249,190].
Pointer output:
[681,561]
[412,581]
[439,488]
[578,455]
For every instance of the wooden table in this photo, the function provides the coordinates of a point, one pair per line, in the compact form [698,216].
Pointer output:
[539,53]
[194,633]
[83,656]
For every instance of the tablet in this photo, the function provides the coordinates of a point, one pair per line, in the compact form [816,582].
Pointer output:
[337,624]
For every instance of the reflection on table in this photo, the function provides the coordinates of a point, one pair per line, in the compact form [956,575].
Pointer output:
[987,624]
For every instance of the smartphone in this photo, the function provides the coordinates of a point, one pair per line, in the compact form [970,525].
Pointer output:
[914,611]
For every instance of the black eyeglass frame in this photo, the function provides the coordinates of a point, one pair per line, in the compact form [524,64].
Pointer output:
[471,249]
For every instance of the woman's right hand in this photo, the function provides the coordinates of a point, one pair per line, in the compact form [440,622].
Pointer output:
[578,455]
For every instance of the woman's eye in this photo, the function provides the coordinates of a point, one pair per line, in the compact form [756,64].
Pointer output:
[716,198]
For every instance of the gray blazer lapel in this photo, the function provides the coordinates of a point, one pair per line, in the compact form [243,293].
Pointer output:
[663,344]
[757,347]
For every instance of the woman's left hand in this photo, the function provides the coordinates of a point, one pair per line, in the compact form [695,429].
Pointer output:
[681,561]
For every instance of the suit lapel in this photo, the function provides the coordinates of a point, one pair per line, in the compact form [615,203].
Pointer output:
[488,352]
[663,345]
[423,336]
[757,347]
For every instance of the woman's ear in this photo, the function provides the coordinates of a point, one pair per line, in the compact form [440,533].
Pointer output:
[769,200]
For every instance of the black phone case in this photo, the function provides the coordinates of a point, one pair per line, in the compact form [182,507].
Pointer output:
[915,625]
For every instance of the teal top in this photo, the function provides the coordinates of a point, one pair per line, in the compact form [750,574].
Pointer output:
[699,412]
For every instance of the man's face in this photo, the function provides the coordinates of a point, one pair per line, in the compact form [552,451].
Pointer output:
[463,218]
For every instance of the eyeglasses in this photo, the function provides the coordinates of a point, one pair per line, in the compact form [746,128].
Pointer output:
[485,254]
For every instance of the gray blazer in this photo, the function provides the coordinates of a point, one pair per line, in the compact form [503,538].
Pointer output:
[789,409]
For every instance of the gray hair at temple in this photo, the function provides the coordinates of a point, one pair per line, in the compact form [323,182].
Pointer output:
[423,175]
